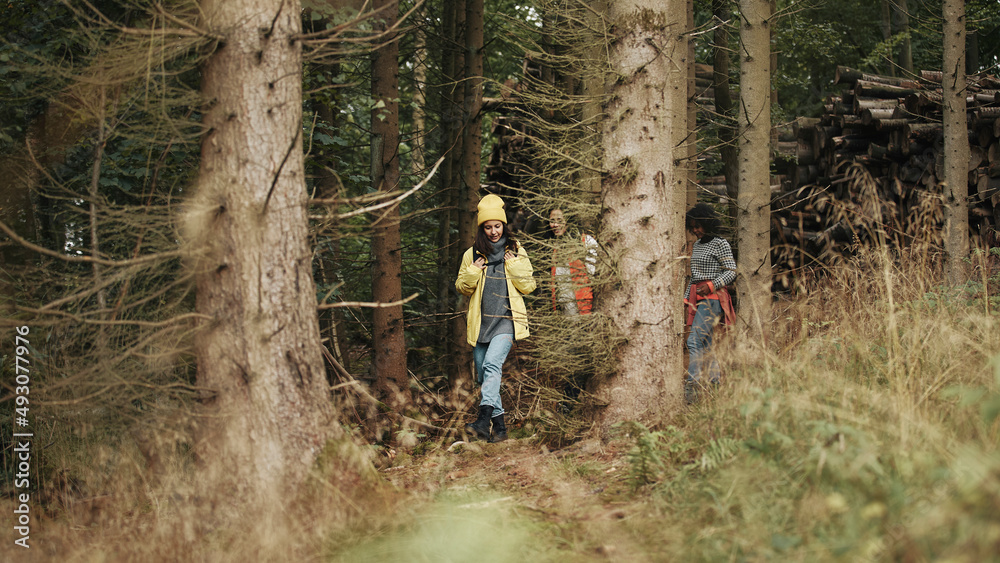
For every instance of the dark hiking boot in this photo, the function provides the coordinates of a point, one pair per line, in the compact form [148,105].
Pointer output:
[481,427]
[499,429]
[690,392]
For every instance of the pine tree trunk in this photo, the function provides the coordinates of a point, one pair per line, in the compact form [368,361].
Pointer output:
[901,16]
[956,142]
[459,354]
[18,213]
[724,101]
[753,202]
[472,134]
[642,223]
[471,163]
[391,379]
[259,352]
[886,24]
[417,160]
[592,111]
[691,131]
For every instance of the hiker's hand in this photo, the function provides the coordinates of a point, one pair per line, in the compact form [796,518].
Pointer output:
[509,255]
[480,263]
[704,289]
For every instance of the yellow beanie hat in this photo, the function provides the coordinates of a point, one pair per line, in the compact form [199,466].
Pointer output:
[491,209]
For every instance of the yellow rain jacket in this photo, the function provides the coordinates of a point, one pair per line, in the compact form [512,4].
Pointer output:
[519,281]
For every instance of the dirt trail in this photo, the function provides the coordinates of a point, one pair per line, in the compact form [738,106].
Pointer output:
[581,491]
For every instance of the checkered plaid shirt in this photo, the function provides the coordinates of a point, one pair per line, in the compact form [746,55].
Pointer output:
[713,261]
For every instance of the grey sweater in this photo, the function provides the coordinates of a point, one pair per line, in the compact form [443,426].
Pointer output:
[497,318]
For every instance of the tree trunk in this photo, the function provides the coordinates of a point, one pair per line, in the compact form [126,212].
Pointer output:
[972,52]
[886,20]
[417,144]
[691,131]
[471,134]
[753,203]
[642,224]
[270,414]
[471,163]
[592,111]
[95,178]
[772,146]
[452,95]
[902,20]
[956,142]
[17,211]
[391,379]
[724,100]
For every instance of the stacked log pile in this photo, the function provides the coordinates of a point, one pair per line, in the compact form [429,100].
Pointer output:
[871,167]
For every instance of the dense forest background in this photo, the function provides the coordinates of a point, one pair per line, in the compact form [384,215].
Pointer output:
[115,154]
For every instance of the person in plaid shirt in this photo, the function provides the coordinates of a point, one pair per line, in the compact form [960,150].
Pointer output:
[712,269]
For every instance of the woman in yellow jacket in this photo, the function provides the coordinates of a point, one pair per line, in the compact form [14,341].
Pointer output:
[495,273]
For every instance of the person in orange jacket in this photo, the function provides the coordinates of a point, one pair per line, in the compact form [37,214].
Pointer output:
[571,291]
[708,302]
[495,273]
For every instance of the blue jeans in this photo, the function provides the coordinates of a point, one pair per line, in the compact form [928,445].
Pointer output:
[489,360]
[700,341]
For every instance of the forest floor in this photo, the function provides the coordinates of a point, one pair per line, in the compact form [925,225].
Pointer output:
[570,504]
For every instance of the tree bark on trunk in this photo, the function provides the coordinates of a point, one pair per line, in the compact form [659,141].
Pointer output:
[391,379]
[270,414]
[724,101]
[886,20]
[471,162]
[691,137]
[972,52]
[956,142]
[753,203]
[642,221]
[452,98]
[902,20]
[418,134]
[592,111]
[471,134]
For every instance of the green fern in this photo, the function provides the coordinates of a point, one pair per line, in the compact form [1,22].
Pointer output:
[718,453]
[654,453]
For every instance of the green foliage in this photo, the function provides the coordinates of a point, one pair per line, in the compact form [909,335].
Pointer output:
[986,400]
[33,32]
[670,455]
[871,435]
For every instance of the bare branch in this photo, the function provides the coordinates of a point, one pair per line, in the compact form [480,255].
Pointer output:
[376,207]
[85,259]
[368,304]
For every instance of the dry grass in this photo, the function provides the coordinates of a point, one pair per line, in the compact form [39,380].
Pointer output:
[864,429]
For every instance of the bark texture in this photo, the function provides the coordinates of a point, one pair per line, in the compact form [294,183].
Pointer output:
[259,350]
[391,379]
[471,163]
[642,224]
[901,24]
[956,142]
[472,140]
[724,100]
[753,201]
[690,158]
[452,97]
